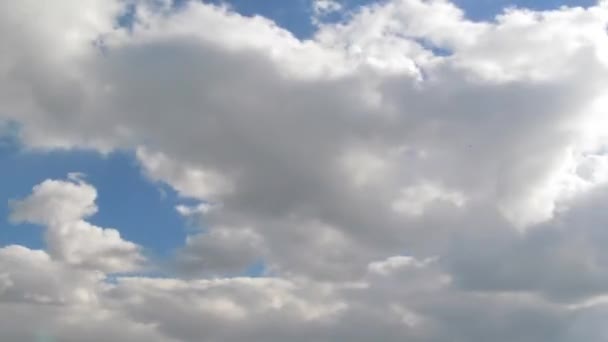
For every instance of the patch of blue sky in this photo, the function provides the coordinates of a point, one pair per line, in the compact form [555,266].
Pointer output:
[127,17]
[486,10]
[143,211]
[257,270]
[296,15]
[437,50]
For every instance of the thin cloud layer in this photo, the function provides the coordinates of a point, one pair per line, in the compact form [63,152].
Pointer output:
[405,174]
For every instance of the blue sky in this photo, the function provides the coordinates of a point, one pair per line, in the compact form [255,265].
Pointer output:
[487,9]
[294,15]
[142,210]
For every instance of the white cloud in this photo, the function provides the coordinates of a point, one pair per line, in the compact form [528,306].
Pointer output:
[221,251]
[32,276]
[188,181]
[414,200]
[195,210]
[55,202]
[62,206]
[313,151]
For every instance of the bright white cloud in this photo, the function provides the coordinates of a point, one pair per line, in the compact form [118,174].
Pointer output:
[61,206]
[188,181]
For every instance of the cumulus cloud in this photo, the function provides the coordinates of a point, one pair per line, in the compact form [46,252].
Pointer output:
[406,174]
[221,251]
[61,206]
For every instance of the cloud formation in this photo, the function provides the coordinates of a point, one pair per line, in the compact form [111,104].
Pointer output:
[62,206]
[407,174]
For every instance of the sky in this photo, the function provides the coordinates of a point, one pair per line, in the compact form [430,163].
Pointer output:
[306,170]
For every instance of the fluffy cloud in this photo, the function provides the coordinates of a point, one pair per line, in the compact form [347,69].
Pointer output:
[220,251]
[61,206]
[406,174]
